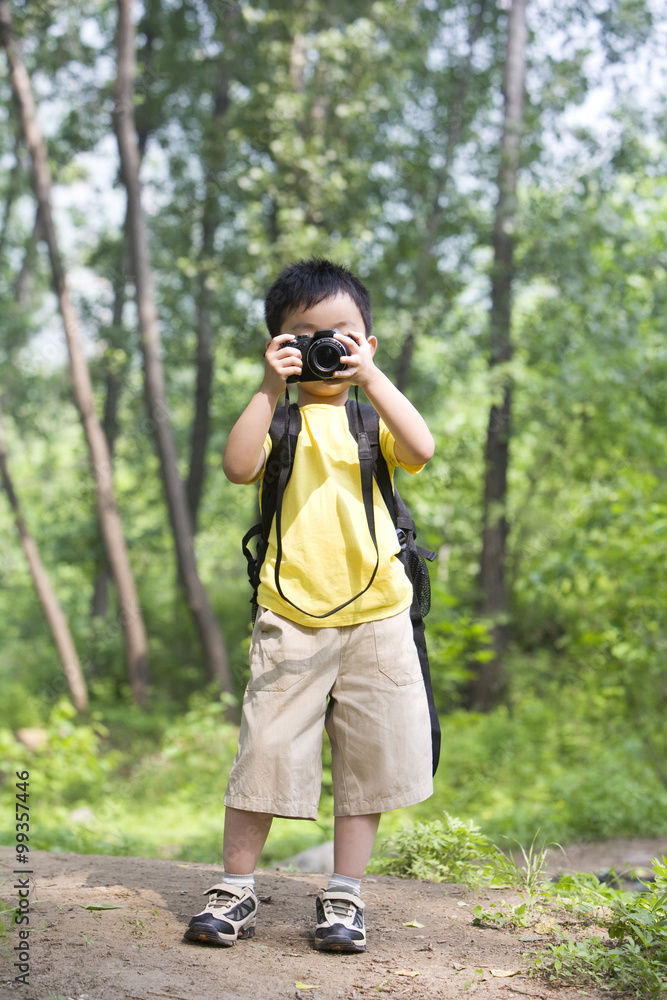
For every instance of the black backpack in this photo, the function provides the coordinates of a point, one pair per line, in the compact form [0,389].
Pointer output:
[364,423]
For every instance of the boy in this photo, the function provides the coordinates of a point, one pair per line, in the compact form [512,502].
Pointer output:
[355,672]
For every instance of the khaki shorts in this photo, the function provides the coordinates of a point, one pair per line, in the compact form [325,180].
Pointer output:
[364,684]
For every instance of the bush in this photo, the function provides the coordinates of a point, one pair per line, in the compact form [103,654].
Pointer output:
[441,851]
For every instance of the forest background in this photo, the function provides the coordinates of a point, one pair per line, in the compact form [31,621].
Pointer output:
[516,260]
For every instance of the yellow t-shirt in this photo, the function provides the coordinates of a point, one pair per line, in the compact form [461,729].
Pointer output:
[328,555]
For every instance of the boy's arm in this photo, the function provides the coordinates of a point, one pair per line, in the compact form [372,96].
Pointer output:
[414,442]
[244,452]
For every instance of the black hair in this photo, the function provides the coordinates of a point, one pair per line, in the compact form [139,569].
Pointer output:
[305,283]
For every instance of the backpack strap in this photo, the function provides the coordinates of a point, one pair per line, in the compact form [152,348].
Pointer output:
[411,555]
[284,432]
[366,415]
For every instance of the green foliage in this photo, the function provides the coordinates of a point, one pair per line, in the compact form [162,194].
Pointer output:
[448,850]
[502,914]
[633,960]
[97,797]
[555,758]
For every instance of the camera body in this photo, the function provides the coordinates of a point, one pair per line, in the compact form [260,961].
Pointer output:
[320,354]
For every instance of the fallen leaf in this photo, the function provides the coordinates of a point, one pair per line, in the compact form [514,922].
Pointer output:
[305,986]
[413,923]
[101,906]
[505,973]
[406,972]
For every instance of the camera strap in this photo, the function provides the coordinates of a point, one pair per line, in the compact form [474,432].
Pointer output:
[292,428]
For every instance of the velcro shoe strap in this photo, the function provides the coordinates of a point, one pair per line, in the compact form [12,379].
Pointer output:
[348,897]
[233,890]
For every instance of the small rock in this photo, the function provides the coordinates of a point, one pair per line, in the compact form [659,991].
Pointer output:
[316,860]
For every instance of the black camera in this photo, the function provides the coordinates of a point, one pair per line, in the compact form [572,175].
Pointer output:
[320,354]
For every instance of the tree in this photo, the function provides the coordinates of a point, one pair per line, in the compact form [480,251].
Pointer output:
[488,683]
[47,595]
[131,616]
[212,156]
[156,399]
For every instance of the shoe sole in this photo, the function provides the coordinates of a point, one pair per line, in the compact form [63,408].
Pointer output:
[204,934]
[335,943]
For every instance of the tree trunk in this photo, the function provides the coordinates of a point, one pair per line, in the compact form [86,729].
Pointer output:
[131,617]
[488,685]
[54,613]
[201,423]
[208,628]
[99,605]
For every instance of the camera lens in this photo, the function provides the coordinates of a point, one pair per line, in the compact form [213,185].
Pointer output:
[324,356]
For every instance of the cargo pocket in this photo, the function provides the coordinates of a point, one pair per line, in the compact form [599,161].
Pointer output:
[280,653]
[395,648]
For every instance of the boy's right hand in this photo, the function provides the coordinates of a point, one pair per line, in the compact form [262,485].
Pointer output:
[280,362]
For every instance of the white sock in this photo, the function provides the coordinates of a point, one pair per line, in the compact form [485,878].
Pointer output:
[242,881]
[345,884]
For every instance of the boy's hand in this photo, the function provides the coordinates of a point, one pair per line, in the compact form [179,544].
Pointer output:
[359,366]
[280,362]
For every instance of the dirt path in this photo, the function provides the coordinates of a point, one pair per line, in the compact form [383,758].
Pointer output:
[135,951]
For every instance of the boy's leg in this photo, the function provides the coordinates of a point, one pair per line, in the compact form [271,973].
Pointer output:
[232,904]
[340,911]
[354,837]
[244,838]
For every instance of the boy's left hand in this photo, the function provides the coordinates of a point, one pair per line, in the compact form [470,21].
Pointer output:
[359,363]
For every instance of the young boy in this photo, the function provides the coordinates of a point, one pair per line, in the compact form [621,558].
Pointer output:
[356,672]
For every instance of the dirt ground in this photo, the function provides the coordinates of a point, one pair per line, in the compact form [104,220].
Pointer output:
[421,940]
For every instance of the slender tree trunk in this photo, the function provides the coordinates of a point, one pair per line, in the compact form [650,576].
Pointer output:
[489,682]
[454,127]
[99,605]
[131,617]
[202,421]
[208,628]
[47,595]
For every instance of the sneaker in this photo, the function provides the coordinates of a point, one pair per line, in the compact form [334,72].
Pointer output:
[340,922]
[230,914]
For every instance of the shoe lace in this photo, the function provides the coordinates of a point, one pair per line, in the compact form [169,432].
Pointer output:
[341,907]
[219,898]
